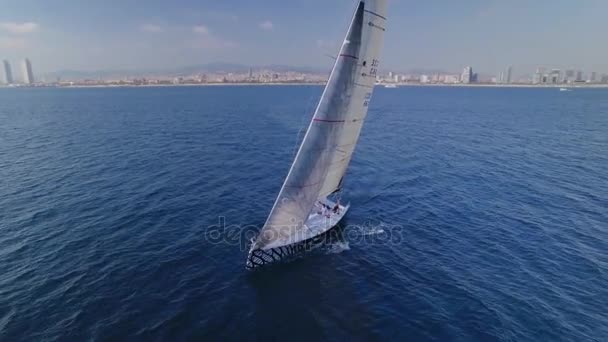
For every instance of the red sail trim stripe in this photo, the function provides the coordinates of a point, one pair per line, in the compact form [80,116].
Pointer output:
[350,56]
[374,13]
[330,121]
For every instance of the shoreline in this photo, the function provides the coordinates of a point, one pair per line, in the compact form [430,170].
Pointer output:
[246,84]
[491,85]
[158,85]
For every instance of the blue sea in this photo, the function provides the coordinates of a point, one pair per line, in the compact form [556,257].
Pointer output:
[477,214]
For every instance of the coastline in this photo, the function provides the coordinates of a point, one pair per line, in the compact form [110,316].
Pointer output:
[492,85]
[246,84]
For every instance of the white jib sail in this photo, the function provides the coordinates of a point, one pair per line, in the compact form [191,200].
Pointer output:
[333,132]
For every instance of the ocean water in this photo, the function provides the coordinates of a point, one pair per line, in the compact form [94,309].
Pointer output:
[477,214]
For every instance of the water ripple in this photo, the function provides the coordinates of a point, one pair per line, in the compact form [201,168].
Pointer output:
[477,215]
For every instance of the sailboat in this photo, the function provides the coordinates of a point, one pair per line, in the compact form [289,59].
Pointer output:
[308,204]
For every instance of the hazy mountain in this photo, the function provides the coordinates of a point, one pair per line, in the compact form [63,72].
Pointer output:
[240,68]
[182,71]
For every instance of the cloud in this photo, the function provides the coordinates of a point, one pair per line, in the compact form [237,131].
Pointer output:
[19,28]
[151,28]
[200,29]
[12,43]
[207,40]
[267,25]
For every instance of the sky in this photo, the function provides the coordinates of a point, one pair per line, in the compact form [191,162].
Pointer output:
[432,34]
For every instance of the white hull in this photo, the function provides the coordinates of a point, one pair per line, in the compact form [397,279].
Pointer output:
[319,222]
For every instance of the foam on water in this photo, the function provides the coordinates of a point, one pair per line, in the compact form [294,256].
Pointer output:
[372,229]
[337,247]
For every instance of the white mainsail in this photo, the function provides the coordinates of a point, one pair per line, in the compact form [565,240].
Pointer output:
[330,140]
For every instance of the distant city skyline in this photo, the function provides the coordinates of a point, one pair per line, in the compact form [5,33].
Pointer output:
[467,75]
[240,74]
[119,35]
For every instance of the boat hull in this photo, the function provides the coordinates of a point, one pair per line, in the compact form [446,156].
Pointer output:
[316,225]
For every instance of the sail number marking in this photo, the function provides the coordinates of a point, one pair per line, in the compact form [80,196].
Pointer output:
[366,100]
[373,70]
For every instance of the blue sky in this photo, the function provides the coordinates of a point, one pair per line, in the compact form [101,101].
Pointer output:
[489,35]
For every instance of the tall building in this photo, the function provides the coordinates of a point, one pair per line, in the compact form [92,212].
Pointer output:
[467,75]
[509,75]
[592,76]
[579,75]
[8,74]
[506,76]
[28,75]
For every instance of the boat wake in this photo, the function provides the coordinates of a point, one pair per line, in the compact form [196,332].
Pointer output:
[340,240]
[373,231]
[337,247]
[369,229]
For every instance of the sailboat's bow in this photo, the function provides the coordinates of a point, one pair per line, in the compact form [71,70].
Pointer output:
[326,216]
